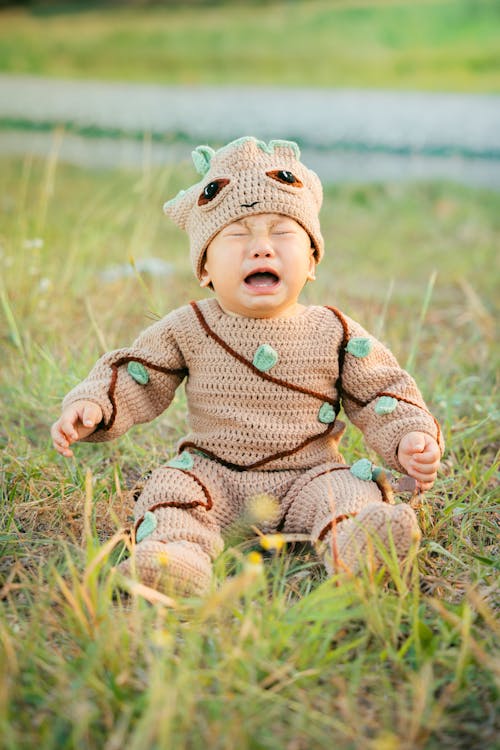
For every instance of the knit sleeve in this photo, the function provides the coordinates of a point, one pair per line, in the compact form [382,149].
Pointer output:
[380,397]
[133,385]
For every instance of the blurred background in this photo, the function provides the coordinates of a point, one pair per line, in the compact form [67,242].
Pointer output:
[371,90]
[396,104]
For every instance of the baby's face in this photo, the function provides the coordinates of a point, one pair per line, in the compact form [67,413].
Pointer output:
[259,265]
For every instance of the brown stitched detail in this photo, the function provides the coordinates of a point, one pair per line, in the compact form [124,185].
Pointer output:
[385,492]
[412,403]
[341,353]
[342,467]
[180,372]
[334,521]
[111,396]
[358,402]
[179,504]
[311,479]
[261,462]
[342,321]
[255,370]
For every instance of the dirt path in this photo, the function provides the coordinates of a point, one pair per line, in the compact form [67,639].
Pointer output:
[379,134]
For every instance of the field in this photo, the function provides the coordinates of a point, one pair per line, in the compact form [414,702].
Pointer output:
[442,45]
[279,656]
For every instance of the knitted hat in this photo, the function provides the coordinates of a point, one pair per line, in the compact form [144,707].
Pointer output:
[244,178]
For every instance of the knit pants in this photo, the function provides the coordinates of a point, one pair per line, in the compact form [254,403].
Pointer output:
[182,515]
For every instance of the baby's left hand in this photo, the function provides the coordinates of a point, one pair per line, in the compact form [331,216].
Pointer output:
[420,455]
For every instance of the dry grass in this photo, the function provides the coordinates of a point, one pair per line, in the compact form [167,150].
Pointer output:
[278,657]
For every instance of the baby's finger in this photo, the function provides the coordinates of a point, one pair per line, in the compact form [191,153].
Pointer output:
[421,471]
[427,457]
[66,452]
[60,442]
[424,464]
[424,486]
[424,473]
[57,435]
[67,427]
[90,415]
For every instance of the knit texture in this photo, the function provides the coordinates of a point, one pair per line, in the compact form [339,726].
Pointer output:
[176,568]
[263,397]
[252,419]
[182,515]
[369,536]
[244,178]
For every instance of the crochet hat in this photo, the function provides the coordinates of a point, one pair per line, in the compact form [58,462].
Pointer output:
[244,178]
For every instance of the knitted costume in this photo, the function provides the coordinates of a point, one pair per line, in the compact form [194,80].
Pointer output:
[263,397]
[244,178]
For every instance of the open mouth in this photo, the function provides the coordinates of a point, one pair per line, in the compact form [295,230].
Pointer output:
[261,280]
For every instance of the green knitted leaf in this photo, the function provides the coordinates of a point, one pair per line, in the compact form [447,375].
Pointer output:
[138,372]
[182,461]
[326,413]
[202,156]
[265,357]
[359,346]
[362,469]
[385,405]
[147,526]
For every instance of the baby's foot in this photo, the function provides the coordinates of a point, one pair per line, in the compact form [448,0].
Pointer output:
[358,539]
[175,568]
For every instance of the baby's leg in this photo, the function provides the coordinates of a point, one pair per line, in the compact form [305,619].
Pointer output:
[348,518]
[177,533]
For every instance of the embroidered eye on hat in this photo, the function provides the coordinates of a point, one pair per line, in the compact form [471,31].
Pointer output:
[244,178]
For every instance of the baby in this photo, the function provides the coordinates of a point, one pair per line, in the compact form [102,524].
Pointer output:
[265,377]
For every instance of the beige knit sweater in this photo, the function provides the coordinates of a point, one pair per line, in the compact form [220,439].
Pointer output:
[261,393]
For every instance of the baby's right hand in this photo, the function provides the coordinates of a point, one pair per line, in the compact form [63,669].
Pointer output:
[75,423]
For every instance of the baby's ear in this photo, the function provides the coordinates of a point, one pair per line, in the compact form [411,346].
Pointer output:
[205,280]
[311,276]
[179,208]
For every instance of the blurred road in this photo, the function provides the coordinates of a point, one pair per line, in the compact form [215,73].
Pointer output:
[370,134]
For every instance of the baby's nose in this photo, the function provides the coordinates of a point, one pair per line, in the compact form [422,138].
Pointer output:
[262,252]
[261,247]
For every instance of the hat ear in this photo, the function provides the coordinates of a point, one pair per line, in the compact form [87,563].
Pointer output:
[202,156]
[179,208]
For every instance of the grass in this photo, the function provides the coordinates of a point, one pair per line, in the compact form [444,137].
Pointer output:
[280,657]
[433,45]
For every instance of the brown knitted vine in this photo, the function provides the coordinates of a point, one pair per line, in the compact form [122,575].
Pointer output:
[335,402]
[354,399]
[338,519]
[359,402]
[251,366]
[342,467]
[412,403]
[262,461]
[179,504]
[341,354]
[181,373]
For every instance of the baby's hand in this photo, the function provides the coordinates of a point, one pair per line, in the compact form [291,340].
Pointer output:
[419,454]
[76,422]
